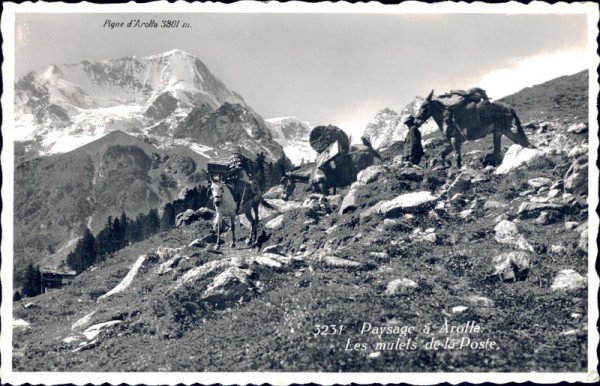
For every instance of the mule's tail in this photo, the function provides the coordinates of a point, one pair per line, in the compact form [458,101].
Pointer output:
[367,142]
[520,132]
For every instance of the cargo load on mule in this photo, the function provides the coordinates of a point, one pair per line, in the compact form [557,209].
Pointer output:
[334,159]
[218,168]
[321,137]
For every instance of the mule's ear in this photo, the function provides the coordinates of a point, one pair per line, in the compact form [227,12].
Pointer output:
[430,95]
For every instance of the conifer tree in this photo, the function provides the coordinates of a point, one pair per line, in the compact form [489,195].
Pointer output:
[167,221]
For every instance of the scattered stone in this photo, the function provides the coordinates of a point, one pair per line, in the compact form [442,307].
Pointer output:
[396,225]
[383,255]
[198,243]
[71,339]
[578,128]
[568,280]
[20,323]
[480,301]
[466,213]
[84,321]
[576,178]
[583,240]
[338,262]
[409,202]
[491,204]
[275,248]
[400,286]
[548,217]
[512,266]
[533,209]
[375,354]
[267,261]
[570,225]
[539,182]
[578,151]
[229,285]
[275,223]
[349,203]
[552,193]
[411,173]
[461,184]
[275,192]
[459,309]
[370,174]
[558,249]
[165,253]
[96,329]
[517,156]
[507,233]
[168,265]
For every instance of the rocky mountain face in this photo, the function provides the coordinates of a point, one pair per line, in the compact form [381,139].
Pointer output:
[405,245]
[292,134]
[66,106]
[290,128]
[57,196]
[387,127]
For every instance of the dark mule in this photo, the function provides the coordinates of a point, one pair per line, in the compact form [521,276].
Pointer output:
[361,156]
[470,122]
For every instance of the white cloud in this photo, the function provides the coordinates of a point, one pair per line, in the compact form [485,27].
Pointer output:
[531,71]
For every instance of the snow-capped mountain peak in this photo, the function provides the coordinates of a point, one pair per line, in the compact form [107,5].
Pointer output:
[64,106]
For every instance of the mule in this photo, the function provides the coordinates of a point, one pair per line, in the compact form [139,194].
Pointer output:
[470,122]
[361,156]
[226,206]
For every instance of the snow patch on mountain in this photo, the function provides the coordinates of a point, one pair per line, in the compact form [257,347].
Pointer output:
[387,127]
[292,134]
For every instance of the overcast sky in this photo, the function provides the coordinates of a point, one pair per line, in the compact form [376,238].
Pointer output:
[328,68]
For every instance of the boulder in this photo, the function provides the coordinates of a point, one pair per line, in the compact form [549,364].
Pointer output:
[409,202]
[576,178]
[410,173]
[578,128]
[491,204]
[400,286]
[229,285]
[533,209]
[583,240]
[370,174]
[517,156]
[480,301]
[366,214]
[275,223]
[396,225]
[338,262]
[538,182]
[558,249]
[507,233]
[461,184]
[276,249]
[512,266]
[568,280]
[350,202]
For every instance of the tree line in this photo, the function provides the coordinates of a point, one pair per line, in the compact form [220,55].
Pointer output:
[121,231]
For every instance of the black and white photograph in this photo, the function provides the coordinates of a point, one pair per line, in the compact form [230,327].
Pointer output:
[266,192]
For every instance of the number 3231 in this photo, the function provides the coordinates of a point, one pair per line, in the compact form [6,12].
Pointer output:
[328,329]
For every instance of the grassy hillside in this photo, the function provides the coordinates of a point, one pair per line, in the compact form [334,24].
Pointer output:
[561,98]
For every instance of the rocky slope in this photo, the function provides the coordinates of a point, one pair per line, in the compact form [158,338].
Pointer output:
[63,107]
[504,248]
[387,127]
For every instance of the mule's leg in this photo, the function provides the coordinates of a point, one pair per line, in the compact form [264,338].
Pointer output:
[497,148]
[233,232]
[456,142]
[255,239]
[445,153]
[251,220]
[334,190]
[512,136]
[218,226]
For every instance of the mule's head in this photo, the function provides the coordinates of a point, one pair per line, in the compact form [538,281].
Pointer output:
[424,112]
[289,185]
[216,192]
